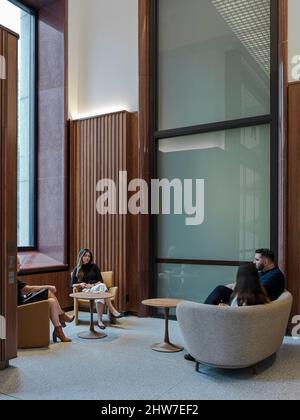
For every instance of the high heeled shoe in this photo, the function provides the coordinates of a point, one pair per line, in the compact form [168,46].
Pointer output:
[101,326]
[64,318]
[59,334]
[121,315]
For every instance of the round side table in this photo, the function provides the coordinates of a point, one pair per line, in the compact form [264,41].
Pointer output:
[166,304]
[92,297]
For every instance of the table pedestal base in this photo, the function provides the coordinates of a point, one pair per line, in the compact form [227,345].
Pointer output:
[90,335]
[167,348]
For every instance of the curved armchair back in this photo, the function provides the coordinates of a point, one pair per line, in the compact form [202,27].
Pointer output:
[108,277]
[34,325]
[234,337]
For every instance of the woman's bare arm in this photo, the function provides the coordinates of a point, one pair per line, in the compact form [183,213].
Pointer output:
[32,289]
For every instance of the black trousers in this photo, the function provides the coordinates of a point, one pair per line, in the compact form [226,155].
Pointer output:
[221,294]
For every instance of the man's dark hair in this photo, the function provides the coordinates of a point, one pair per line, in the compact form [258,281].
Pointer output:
[266,253]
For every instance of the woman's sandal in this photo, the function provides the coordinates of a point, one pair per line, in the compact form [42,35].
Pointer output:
[121,315]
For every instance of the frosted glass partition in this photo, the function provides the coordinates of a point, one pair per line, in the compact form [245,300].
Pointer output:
[190,282]
[235,167]
[214,61]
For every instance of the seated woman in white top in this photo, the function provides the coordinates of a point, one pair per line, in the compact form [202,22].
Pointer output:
[248,289]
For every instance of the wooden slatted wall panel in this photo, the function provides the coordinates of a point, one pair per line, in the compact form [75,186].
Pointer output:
[99,151]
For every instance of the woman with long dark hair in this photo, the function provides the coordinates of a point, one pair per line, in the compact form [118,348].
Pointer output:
[87,276]
[248,290]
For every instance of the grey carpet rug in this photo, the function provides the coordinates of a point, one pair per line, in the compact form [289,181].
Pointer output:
[123,367]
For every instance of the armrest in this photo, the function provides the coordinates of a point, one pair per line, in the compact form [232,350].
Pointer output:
[34,325]
[34,309]
[113,291]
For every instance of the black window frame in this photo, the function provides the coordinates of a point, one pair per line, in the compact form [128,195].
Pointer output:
[34,128]
[272,119]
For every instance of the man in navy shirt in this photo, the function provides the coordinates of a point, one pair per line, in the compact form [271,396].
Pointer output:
[271,277]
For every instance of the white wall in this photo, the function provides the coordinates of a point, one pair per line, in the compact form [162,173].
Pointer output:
[103,56]
[294,40]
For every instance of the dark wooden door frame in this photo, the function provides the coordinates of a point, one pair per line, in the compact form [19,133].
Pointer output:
[8,196]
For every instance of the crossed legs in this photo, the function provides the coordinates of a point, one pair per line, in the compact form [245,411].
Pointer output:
[55,309]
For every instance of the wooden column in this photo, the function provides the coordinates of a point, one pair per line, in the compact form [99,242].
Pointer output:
[293,237]
[289,154]
[8,196]
[146,74]
[283,135]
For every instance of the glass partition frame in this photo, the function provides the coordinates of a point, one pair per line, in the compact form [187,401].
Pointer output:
[271,119]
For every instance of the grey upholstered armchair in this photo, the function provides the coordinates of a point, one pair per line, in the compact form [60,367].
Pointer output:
[234,338]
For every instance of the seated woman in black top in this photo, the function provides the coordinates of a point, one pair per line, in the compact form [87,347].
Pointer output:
[87,276]
[58,317]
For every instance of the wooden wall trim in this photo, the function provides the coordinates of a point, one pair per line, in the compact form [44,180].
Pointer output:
[133,226]
[283,133]
[145,150]
[293,241]
[9,31]
[36,4]
[8,195]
